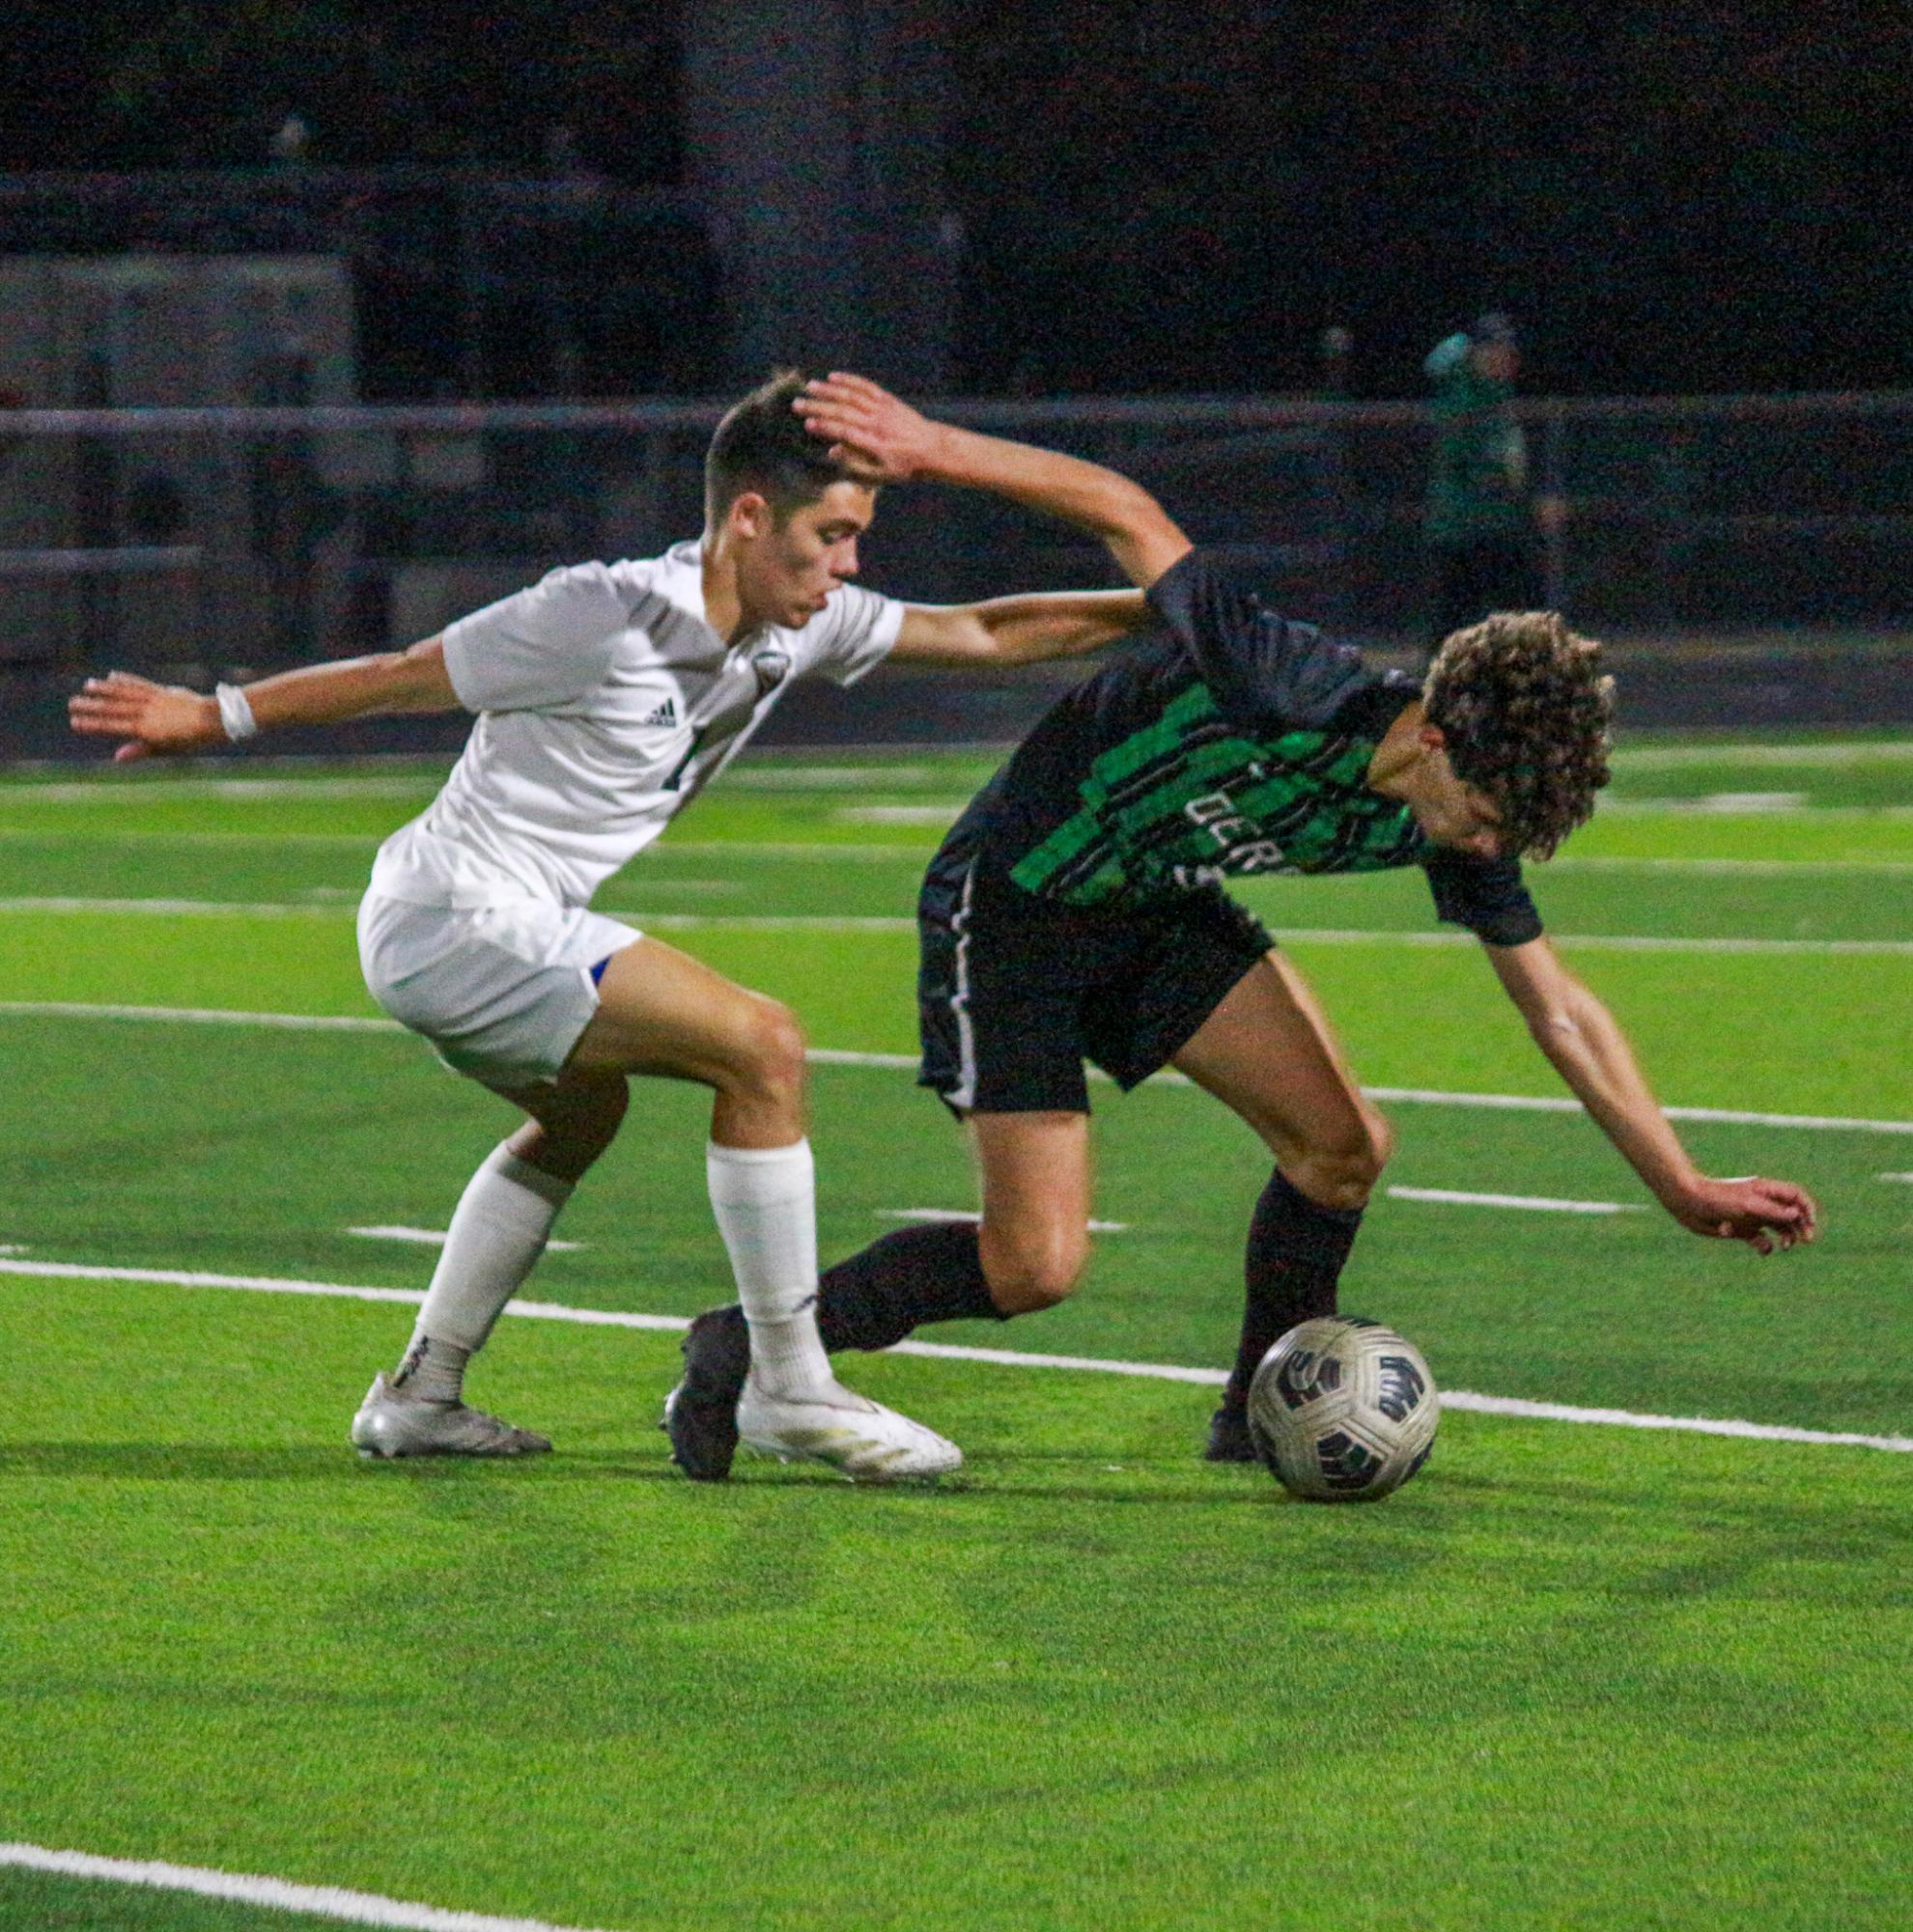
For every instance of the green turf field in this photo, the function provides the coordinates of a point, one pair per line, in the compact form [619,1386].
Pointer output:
[1576,1675]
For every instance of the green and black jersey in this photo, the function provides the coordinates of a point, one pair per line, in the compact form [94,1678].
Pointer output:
[1239,744]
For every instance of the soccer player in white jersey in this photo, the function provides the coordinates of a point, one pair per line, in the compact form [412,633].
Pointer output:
[607,696]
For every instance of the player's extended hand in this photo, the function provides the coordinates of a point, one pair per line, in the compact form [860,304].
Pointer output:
[153,718]
[1764,1214]
[876,435]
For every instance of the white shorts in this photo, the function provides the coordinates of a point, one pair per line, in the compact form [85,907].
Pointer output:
[502,992]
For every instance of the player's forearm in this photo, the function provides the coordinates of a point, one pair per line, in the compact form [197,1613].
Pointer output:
[1590,1052]
[1103,502]
[1062,623]
[386,682]
[1082,492]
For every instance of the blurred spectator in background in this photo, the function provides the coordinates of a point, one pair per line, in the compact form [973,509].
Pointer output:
[1482,525]
[1333,347]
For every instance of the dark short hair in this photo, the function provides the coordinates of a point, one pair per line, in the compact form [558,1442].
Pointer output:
[763,445]
[1528,718]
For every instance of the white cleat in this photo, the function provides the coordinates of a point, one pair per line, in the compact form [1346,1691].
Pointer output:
[387,1424]
[836,1425]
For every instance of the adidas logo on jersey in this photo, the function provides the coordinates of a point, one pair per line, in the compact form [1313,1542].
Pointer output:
[666,713]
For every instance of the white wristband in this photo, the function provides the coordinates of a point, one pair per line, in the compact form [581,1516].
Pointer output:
[236,712]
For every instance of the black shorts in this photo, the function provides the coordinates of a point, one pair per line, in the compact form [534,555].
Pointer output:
[1014,992]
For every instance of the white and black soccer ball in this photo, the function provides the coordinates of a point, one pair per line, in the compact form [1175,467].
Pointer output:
[1342,1410]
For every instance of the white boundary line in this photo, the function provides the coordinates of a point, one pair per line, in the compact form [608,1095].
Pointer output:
[56,906]
[437,1237]
[122,792]
[200,1016]
[864,852]
[1849,751]
[1537,1203]
[276,1894]
[617,1318]
[835,1056]
[1758,868]
[962,1217]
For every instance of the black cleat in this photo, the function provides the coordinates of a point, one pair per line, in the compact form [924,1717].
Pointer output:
[1229,1439]
[701,1412]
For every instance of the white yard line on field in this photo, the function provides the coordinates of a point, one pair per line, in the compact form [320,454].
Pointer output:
[838,1056]
[944,814]
[1672,757]
[1536,1203]
[552,1311]
[1715,802]
[273,1895]
[200,1016]
[830,778]
[966,1217]
[180,908]
[1765,806]
[805,849]
[1609,943]
[1750,868]
[69,836]
[843,922]
[122,792]
[432,1237]
[812,852]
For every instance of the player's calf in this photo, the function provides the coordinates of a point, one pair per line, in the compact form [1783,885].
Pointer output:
[1293,1261]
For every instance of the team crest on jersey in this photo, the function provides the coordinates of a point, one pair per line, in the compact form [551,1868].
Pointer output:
[771,666]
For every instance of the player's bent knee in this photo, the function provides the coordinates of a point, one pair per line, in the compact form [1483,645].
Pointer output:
[777,1045]
[1342,1173]
[764,1054]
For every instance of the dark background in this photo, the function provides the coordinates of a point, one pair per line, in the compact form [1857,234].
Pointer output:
[1130,197]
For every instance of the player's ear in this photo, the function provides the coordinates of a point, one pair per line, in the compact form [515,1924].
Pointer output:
[1432,738]
[749,514]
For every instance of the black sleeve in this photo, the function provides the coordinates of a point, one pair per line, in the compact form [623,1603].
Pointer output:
[1486,895]
[1267,674]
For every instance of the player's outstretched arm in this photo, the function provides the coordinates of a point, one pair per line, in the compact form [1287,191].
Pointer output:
[1018,630]
[887,441]
[1590,1052]
[157,720]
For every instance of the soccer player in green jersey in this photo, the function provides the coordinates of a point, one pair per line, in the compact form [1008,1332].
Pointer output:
[1075,912]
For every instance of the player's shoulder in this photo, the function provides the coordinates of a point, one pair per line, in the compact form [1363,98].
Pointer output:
[659,596]
[676,576]
[1232,583]
[594,593]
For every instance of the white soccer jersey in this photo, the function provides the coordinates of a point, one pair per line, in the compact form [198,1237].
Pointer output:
[606,702]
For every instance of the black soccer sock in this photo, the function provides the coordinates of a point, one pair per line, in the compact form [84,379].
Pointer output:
[1295,1256]
[917,1275]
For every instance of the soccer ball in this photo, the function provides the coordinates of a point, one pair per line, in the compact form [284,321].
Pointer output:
[1342,1410]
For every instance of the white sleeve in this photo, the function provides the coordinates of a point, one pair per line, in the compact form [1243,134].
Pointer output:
[539,647]
[859,629]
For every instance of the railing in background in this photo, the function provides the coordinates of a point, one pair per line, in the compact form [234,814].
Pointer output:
[200,541]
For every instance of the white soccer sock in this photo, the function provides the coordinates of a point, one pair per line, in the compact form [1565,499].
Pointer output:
[498,1233]
[765,1199]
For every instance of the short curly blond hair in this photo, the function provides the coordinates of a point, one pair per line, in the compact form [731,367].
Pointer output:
[1528,717]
